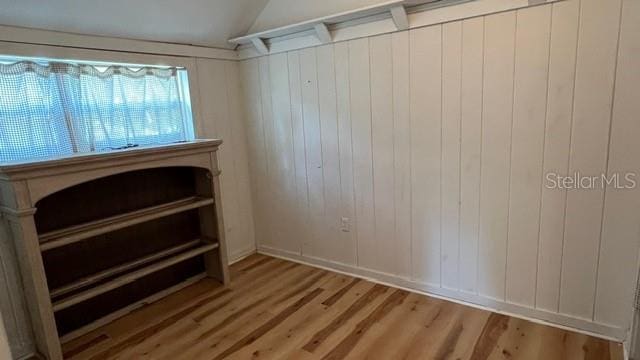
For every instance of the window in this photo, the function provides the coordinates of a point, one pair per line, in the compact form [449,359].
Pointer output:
[51,108]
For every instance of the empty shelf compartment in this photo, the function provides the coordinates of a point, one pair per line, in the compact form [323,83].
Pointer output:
[72,234]
[121,275]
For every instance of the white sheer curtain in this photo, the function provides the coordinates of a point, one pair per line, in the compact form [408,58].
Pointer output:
[50,109]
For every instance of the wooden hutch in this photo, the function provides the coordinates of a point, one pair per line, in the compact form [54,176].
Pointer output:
[98,235]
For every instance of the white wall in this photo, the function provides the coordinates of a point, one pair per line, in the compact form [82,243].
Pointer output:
[434,143]
[221,116]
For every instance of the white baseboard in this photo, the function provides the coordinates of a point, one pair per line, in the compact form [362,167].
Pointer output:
[470,299]
[241,255]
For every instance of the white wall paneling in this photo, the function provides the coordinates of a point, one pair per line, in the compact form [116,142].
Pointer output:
[470,150]
[419,157]
[499,48]
[271,210]
[327,102]
[401,251]
[529,113]
[300,221]
[256,148]
[221,112]
[280,154]
[359,78]
[313,151]
[347,236]
[450,176]
[425,57]
[562,60]
[594,81]
[618,260]
[244,240]
[382,150]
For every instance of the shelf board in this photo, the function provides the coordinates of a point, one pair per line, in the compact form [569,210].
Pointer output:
[76,233]
[123,268]
[310,24]
[130,308]
[133,276]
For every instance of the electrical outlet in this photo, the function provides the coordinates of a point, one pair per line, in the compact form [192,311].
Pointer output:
[345,224]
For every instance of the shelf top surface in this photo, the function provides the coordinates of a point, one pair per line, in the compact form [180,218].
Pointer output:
[308,24]
[75,159]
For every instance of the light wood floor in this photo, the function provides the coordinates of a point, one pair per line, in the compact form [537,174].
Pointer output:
[276,309]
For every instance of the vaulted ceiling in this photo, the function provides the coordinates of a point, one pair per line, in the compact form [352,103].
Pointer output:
[197,22]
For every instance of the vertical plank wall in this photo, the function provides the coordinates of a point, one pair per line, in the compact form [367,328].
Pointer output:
[419,158]
[221,110]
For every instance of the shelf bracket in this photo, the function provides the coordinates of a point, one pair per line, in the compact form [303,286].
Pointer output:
[260,45]
[322,32]
[399,15]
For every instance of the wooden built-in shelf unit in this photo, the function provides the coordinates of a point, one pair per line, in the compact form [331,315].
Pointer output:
[102,234]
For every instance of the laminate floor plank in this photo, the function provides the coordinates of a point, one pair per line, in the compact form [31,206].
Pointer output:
[227,322]
[210,346]
[329,323]
[277,309]
[281,339]
[212,320]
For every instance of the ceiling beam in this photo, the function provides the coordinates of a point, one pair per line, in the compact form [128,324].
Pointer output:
[399,15]
[322,32]
[260,45]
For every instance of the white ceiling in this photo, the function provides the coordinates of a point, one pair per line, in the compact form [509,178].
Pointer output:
[198,22]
